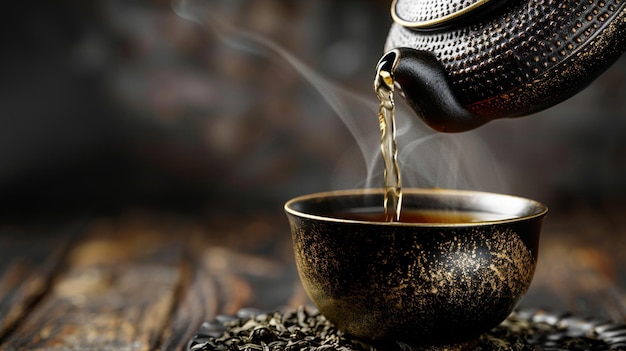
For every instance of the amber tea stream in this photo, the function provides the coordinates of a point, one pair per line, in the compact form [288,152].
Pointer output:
[383,85]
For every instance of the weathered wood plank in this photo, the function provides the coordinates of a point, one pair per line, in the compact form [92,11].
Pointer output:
[116,292]
[227,273]
[29,259]
[198,303]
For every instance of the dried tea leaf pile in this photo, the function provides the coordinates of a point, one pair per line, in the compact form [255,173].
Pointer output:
[307,329]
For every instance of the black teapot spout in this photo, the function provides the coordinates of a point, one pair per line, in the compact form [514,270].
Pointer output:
[423,83]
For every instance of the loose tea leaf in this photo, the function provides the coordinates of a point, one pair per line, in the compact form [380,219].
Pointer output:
[307,329]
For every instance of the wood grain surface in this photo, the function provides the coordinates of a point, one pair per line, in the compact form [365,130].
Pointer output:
[147,281]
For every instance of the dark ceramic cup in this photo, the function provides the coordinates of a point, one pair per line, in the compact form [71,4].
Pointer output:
[423,284]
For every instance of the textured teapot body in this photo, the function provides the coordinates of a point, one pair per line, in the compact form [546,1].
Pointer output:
[508,59]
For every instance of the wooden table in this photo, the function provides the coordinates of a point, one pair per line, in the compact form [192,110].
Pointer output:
[147,280]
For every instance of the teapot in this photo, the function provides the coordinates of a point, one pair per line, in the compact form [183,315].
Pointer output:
[462,63]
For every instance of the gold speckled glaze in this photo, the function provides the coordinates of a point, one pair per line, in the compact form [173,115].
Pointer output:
[423,284]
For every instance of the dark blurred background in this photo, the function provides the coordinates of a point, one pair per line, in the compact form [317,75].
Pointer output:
[112,104]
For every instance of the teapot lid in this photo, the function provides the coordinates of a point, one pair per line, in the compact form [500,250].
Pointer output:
[426,14]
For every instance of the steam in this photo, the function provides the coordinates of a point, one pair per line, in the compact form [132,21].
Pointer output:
[350,107]
[427,159]
[456,161]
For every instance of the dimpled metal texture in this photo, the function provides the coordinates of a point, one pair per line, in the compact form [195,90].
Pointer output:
[428,10]
[524,56]
[415,283]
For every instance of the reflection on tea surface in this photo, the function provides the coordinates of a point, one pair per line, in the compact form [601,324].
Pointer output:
[422,216]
